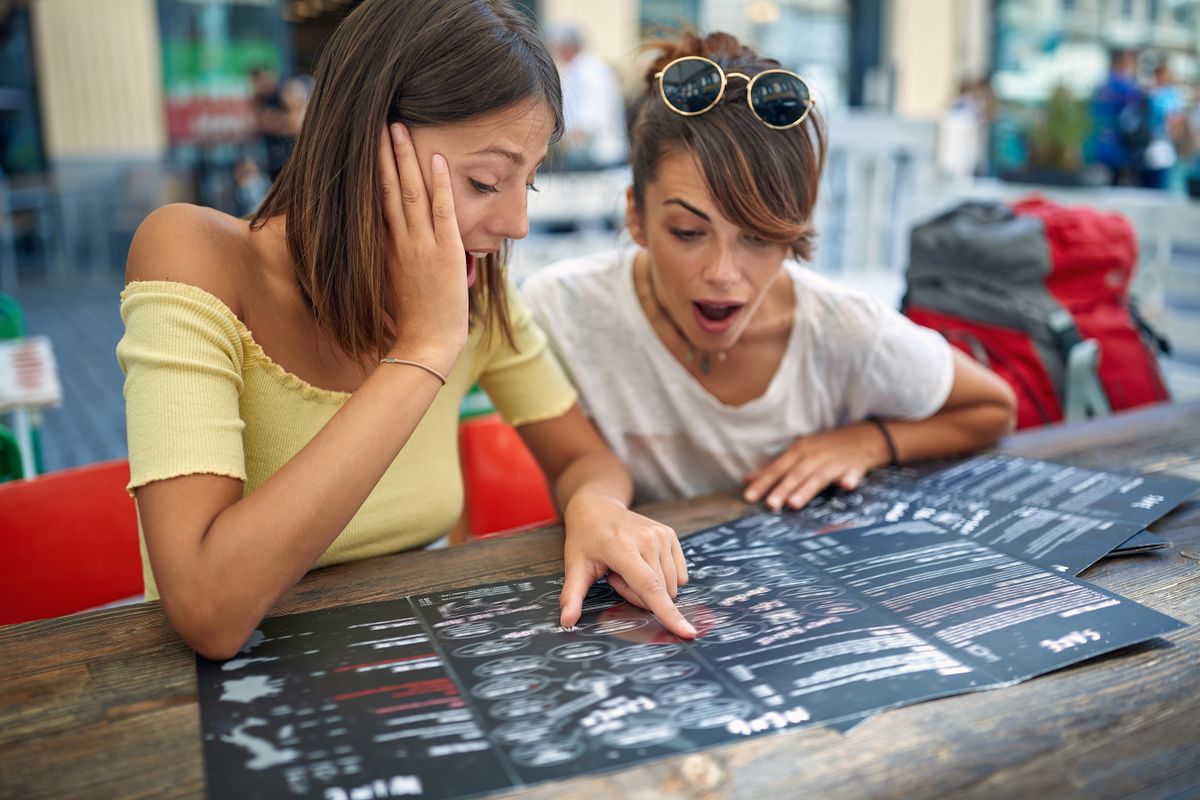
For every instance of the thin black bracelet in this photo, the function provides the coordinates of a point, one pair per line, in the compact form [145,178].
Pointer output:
[887,437]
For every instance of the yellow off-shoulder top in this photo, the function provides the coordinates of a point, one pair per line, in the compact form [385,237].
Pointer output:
[201,396]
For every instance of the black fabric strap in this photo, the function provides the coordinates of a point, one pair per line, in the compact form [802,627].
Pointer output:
[894,459]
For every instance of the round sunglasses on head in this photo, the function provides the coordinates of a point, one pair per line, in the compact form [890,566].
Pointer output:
[692,85]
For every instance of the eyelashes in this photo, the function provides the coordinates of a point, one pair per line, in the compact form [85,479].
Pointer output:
[491,188]
[686,235]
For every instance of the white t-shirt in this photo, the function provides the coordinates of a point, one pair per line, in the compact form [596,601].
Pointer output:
[849,357]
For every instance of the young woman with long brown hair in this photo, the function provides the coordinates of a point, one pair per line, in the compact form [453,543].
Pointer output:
[294,381]
[709,359]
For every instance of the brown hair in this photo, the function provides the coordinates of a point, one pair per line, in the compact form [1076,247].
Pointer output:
[763,180]
[390,61]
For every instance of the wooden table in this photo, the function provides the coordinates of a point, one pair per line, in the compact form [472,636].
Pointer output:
[104,704]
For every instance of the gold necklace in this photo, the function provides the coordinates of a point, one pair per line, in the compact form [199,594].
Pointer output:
[706,358]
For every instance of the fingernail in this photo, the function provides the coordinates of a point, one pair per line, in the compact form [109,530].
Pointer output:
[750,497]
[397,133]
[439,163]
[687,626]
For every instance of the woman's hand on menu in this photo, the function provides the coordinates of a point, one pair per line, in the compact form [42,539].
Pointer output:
[841,456]
[641,558]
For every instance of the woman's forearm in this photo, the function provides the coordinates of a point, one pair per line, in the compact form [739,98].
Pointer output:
[597,473]
[951,431]
[218,580]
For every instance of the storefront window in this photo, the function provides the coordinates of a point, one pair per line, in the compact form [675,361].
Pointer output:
[659,16]
[20,130]
[209,48]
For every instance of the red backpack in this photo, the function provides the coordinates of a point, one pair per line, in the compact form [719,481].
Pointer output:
[1025,290]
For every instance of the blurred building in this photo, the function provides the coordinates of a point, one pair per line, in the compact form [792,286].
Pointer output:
[1041,44]
[154,78]
[111,107]
[900,55]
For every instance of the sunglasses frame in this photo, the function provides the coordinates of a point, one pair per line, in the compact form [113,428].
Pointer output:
[725,76]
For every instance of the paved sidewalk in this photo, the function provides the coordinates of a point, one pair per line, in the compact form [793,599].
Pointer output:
[84,324]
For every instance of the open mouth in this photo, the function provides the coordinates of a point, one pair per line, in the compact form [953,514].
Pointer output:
[475,263]
[714,317]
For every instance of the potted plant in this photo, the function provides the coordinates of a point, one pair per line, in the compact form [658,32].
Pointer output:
[1057,141]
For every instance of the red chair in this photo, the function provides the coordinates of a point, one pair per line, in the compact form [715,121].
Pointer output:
[68,542]
[505,488]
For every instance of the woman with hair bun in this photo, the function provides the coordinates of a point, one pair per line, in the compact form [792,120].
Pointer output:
[293,381]
[705,354]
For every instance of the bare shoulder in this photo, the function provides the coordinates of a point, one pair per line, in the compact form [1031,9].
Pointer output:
[199,246]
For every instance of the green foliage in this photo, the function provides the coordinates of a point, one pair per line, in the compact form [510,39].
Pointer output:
[1057,141]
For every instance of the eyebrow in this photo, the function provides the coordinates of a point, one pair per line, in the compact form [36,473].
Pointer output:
[689,207]
[496,150]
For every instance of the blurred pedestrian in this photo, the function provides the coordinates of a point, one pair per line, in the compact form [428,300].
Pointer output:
[595,136]
[250,186]
[1120,113]
[293,98]
[275,124]
[1167,123]
[1190,152]
[964,129]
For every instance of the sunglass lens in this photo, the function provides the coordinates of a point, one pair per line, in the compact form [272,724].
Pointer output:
[691,86]
[779,99]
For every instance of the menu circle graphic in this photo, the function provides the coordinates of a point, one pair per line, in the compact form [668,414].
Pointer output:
[661,673]
[511,664]
[581,651]
[508,686]
[547,754]
[643,653]
[493,647]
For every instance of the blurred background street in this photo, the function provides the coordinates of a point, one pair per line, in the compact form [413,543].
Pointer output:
[111,108]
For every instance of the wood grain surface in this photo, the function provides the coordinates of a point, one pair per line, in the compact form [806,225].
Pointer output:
[104,704]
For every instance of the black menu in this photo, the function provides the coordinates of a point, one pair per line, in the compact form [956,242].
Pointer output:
[465,692]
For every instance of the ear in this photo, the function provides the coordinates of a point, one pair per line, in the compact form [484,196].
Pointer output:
[633,219]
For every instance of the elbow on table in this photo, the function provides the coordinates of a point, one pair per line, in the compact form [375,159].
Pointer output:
[207,627]
[1007,422]
[1001,417]
[216,648]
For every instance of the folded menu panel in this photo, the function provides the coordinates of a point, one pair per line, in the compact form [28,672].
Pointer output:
[1063,517]
[1137,499]
[1063,541]
[1140,542]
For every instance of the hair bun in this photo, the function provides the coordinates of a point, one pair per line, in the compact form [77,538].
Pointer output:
[723,48]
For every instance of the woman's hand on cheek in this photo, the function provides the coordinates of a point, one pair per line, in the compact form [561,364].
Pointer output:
[641,557]
[426,258]
[812,463]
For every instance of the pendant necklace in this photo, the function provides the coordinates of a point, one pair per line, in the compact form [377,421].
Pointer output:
[706,358]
